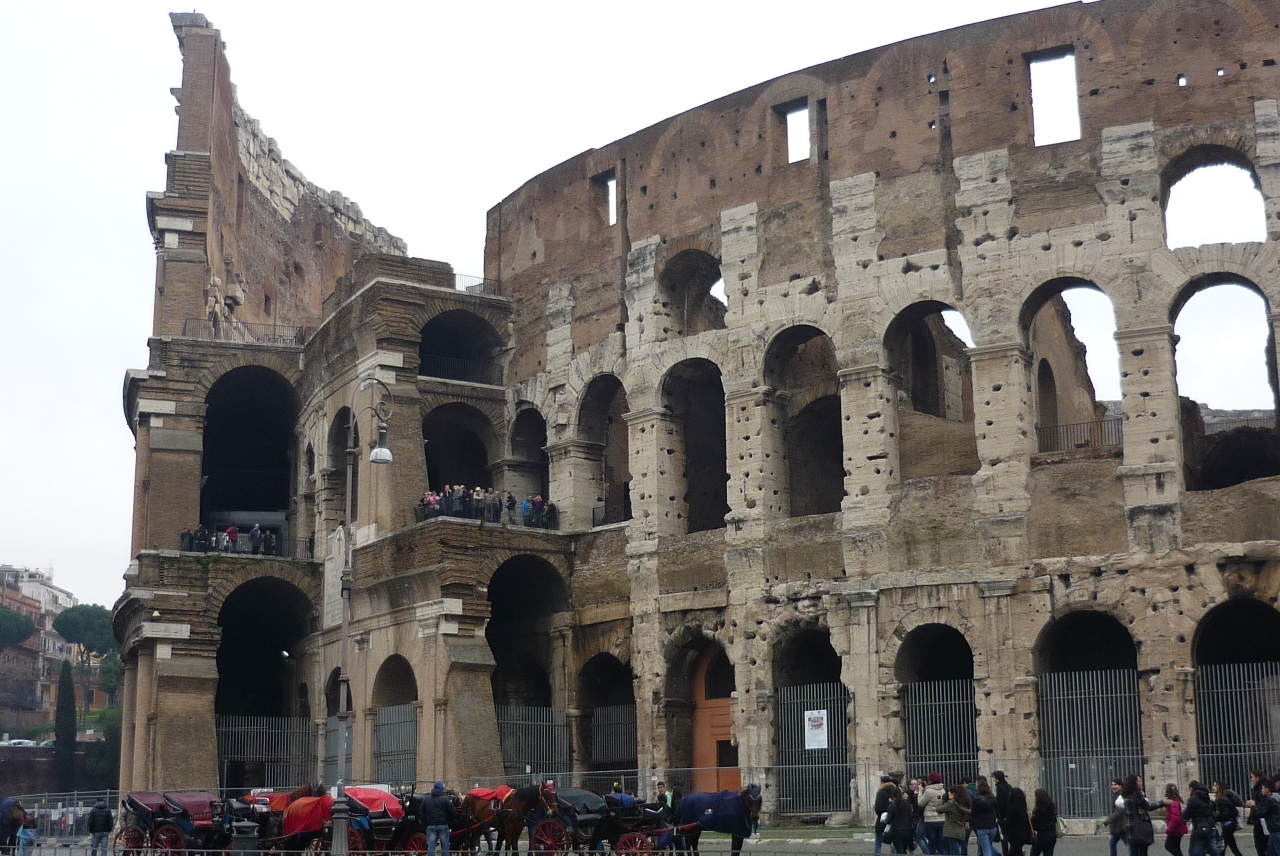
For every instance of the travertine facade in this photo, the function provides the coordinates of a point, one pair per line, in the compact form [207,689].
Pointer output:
[811,473]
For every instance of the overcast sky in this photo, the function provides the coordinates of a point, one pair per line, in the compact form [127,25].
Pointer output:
[424,114]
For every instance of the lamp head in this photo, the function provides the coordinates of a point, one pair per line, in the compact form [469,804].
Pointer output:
[381,454]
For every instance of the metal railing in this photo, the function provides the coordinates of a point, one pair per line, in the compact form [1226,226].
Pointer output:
[1082,435]
[219,542]
[603,515]
[65,815]
[476,284]
[548,519]
[278,751]
[456,368]
[245,331]
[1219,425]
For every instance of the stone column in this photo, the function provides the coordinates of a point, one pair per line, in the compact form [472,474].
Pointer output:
[127,717]
[1004,422]
[1152,470]
[576,480]
[143,717]
[656,444]
[870,703]
[870,437]
[756,458]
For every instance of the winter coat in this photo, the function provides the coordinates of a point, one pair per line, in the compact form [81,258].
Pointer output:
[1045,820]
[1016,829]
[900,819]
[955,815]
[1199,810]
[436,809]
[931,803]
[100,819]
[1002,798]
[883,800]
[983,814]
[1173,822]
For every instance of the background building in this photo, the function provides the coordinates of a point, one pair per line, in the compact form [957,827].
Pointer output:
[805,533]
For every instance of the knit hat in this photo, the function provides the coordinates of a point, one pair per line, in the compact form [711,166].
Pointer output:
[935,778]
[438,786]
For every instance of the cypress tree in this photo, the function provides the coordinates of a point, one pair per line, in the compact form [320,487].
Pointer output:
[64,730]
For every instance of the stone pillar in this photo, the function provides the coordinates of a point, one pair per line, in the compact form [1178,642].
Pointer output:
[1004,422]
[656,444]
[143,718]
[756,458]
[577,473]
[870,436]
[127,729]
[1152,470]
[185,742]
[870,703]
[580,734]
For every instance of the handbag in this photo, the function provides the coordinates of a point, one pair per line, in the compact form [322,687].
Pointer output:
[1060,826]
[1141,832]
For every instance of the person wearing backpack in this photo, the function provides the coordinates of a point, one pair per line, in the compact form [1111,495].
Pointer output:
[1266,812]
[1200,816]
[1227,805]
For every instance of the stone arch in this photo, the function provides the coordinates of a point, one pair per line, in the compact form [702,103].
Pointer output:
[685,282]
[332,690]
[699,683]
[693,393]
[337,459]
[891,643]
[1182,161]
[1164,10]
[460,345]
[528,464]
[933,652]
[914,59]
[225,577]
[1238,630]
[394,684]
[285,365]
[460,443]
[1044,30]
[1084,640]
[523,592]
[934,665]
[606,696]
[263,621]
[803,653]
[600,423]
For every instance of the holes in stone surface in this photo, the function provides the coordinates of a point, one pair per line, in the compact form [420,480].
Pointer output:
[1267,63]
[1055,104]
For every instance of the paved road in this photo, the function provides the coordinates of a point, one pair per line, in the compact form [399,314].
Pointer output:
[838,843]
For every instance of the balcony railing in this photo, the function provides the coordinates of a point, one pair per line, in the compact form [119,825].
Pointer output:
[603,515]
[1082,435]
[1220,425]
[454,368]
[240,331]
[476,284]
[275,547]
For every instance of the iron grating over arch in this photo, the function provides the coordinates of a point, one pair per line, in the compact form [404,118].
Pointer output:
[812,724]
[939,707]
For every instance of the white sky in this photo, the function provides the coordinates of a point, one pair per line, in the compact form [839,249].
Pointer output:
[425,114]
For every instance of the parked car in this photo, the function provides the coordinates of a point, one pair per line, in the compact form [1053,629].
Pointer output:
[22,743]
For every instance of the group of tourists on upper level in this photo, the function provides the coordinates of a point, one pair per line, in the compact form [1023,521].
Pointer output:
[487,504]
[257,541]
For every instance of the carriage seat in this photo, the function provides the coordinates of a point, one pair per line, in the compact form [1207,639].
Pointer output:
[623,805]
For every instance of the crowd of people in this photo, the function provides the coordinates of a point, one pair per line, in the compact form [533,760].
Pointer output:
[937,819]
[489,505]
[257,541]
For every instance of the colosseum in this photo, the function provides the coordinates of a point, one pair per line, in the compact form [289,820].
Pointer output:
[796,530]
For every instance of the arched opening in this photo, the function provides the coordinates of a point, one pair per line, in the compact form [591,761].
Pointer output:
[607,700]
[529,470]
[333,727]
[700,731]
[800,366]
[337,474]
[694,394]
[601,422]
[928,365]
[811,723]
[1236,654]
[1090,720]
[395,722]
[935,667]
[686,287]
[247,466]
[524,592]
[457,438]
[1211,195]
[262,621]
[457,345]
[1069,328]
[304,701]
[1226,374]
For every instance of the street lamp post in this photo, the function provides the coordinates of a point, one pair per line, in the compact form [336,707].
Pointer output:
[380,455]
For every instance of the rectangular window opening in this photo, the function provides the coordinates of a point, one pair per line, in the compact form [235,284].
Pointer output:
[795,116]
[604,188]
[1055,101]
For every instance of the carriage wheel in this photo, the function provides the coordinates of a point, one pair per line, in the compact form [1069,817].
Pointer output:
[549,836]
[355,841]
[129,841]
[634,842]
[416,843]
[168,839]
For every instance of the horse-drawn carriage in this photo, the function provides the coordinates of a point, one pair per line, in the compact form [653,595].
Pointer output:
[585,821]
[171,822]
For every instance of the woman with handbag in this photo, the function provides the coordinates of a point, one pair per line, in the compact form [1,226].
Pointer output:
[900,824]
[1044,824]
[1227,805]
[1015,827]
[1137,820]
[982,820]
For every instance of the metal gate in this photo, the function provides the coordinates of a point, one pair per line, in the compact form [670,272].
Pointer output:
[1090,733]
[395,744]
[265,751]
[332,739]
[613,737]
[941,734]
[1237,721]
[813,749]
[535,741]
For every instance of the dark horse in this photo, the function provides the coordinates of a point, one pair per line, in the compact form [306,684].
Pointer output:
[509,815]
[734,814]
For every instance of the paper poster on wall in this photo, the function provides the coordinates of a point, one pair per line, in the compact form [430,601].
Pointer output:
[815,729]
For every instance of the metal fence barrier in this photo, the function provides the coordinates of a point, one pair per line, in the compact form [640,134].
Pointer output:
[603,515]
[1217,426]
[456,368]
[1082,435]
[240,331]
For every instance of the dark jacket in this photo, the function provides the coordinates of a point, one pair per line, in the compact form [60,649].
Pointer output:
[1016,829]
[883,800]
[1045,820]
[983,815]
[1002,798]
[100,819]
[1267,810]
[1199,809]
[1255,795]
[901,820]
[436,809]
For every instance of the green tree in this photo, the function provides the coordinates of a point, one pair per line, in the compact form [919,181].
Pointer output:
[103,756]
[110,674]
[64,730]
[15,628]
[89,626]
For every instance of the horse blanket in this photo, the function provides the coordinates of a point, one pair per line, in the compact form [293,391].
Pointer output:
[377,800]
[499,793]
[308,814]
[722,812]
